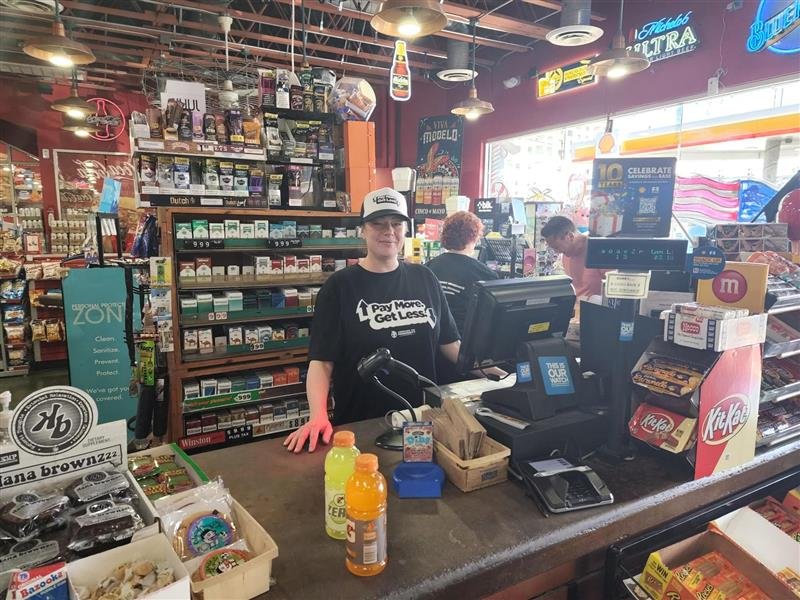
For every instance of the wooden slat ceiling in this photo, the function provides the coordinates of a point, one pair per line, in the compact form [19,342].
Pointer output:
[140,40]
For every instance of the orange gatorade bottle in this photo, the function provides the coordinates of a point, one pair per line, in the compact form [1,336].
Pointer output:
[365,500]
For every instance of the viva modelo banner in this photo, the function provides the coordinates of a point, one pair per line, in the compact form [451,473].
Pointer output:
[631,197]
[438,165]
[99,364]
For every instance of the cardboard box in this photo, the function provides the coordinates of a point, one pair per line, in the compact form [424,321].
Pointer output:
[250,579]
[714,334]
[88,572]
[657,578]
[760,539]
[490,466]
[740,285]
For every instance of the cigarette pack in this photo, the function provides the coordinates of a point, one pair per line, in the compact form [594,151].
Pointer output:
[186,271]
[205,341]
[709,312]
[189,341]
[200,229]
[216,231]
[202,266]
[183,231]
[231,228]
[261,229]
[247,230]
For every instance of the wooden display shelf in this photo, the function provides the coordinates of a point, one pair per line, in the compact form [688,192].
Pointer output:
[247,316]
[239,245]
[310,279]
[185,371]
[258,212]
[248,349]
[279,356]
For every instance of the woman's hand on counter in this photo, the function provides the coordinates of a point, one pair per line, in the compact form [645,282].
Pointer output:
[311,431]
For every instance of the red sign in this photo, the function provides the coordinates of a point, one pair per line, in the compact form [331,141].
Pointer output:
[690,328]
[725,419]
[729,286]
[109,118]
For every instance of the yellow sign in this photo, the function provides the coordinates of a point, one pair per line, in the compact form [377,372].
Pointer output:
[538,327]
[740,285]
[564,78]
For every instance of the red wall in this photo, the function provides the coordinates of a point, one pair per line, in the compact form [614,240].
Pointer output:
[518,111]
[21,103]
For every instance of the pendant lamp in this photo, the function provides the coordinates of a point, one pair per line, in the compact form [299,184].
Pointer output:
[409,18]
[473,107]
[618,61]
[57,48]
[78,126]
[73,105]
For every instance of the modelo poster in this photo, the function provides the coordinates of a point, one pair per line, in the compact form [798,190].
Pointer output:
[631,197]
[94,315]
[438,165]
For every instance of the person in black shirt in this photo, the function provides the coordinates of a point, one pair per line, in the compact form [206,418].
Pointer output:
[380,302]
[456,269]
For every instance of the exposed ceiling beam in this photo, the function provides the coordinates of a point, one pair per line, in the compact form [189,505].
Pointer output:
[286,24]
[164,19]
[277,55]
[557,6]
[458,13]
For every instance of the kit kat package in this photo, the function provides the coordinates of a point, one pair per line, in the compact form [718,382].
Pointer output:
[662,428]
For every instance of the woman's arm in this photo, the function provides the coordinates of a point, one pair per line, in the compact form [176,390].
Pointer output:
[318,384]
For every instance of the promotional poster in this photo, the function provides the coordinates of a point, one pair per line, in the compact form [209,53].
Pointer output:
[631,197]
[438,165]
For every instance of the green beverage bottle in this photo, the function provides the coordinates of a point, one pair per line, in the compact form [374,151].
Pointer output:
[339,465]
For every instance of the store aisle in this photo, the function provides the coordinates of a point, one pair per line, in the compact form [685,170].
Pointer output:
[35,380]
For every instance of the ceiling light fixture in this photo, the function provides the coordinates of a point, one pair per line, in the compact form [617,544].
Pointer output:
[409,18]
[57,48]
[618,61]
[473,107]
[73,105]
[78,126]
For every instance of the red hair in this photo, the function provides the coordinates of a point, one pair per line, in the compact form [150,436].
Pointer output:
[461,229]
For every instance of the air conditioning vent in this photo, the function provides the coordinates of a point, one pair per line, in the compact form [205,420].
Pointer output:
[575,28]
[457,69]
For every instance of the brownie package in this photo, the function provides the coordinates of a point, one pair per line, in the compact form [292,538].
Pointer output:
[98,484]
[102,525]
[30,513]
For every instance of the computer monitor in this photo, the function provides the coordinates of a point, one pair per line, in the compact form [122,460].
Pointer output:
[503,314]
[523,322]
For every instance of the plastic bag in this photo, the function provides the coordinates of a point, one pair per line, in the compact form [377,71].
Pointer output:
[199,522]
[103,524]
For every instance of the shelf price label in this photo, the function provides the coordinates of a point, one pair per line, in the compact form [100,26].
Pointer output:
[220,316]
[279,244]
[203,244]
[239,433]
[257,347]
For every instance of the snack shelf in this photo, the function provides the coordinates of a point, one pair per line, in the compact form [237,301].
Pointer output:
[781,393]
[779,437]
[248,350]
[247,316]
[781,349]
[314,279]
[243,398]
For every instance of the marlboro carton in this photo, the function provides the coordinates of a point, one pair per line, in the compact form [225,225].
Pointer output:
[662,428]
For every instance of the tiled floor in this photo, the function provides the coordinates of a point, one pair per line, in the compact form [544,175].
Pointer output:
[23,385]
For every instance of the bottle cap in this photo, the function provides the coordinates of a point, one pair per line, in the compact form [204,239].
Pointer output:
[344,439]
[367,463]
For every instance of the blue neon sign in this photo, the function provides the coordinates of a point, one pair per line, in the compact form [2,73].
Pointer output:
[775,27]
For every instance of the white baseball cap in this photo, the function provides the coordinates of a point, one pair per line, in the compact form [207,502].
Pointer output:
[384,202]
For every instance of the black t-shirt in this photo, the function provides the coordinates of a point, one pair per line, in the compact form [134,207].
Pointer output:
[457,273]
[357,312]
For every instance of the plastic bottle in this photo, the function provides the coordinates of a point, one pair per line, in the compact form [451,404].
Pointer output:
[365,499]
[5,418]
[339,465]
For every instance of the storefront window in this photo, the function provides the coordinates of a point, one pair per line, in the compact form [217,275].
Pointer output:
[746,135]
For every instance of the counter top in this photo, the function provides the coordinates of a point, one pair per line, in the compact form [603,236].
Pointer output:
[463,545]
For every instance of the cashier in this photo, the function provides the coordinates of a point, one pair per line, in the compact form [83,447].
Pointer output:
[562,236]
[380,302]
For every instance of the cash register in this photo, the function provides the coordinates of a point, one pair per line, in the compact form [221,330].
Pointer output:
[521,323]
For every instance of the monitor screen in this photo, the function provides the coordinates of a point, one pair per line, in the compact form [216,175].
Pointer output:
[502,314]
[636,254]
